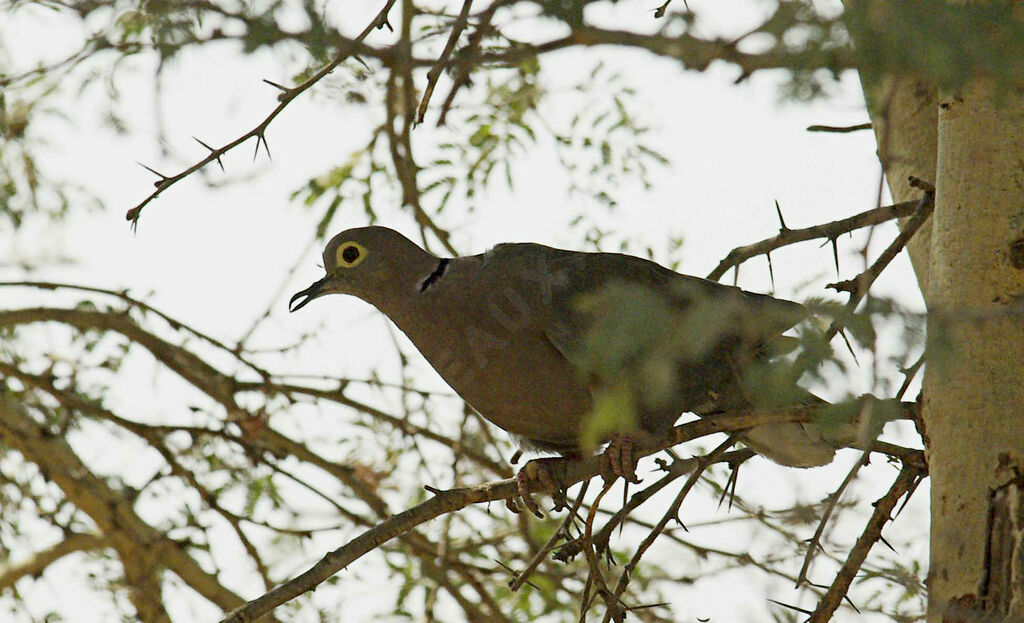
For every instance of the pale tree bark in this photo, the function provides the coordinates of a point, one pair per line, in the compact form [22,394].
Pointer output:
[973,406]
[904,116]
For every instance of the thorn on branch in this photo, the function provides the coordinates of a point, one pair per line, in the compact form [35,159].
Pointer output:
[909,373]
[846,598]
[887,544]
[782,221]
[850,603]
[835,253]
[790,606]
[849,347]
[910,492]
[360,60]
[261,138]
[771,272]
[286,92]
[730,485]
[163,178]
[276,85]
[212,151]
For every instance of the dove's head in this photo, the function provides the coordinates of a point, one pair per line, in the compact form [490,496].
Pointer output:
[373,263]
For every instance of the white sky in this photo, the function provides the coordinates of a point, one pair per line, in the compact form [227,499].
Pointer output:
[215,258]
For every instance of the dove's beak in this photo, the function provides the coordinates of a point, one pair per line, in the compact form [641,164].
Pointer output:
[297,301]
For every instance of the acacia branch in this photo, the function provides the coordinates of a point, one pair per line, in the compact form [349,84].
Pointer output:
[286,96]
[35,564]
[693,52]
[829,231]
[188,365]
[442,60]
[672,512]
[456,499]
[904,485]
[859,286]
[145,307]
[142,549]
[423,548]
[222,388]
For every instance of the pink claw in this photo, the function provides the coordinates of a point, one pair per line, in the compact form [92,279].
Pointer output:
[540,471]
[620,457]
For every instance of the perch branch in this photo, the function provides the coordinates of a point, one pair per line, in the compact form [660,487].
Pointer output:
[455,499]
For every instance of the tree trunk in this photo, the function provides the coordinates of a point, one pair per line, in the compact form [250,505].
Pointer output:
[904,117]
[973,406]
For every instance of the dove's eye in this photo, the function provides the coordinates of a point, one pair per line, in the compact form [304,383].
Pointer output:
[350,253]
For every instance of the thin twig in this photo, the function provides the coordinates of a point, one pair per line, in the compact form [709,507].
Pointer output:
[833,500]
[675,470]
[830,601]
[522,576]
[671,513]
[259,132]
[611,601]
[859,286]
[462,67]
[829,231]
[442,60]
[844,129]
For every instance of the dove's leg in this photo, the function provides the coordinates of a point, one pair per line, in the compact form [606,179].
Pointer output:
[621,457]
[549,474]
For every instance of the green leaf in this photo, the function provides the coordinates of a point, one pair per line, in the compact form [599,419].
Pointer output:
[614,412]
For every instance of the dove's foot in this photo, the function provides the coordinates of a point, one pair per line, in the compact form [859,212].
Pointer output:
[621,458]
[545,474]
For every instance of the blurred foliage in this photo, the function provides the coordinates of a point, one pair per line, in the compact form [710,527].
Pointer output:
[946,44]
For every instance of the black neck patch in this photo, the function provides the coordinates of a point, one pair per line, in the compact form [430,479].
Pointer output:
[434,276]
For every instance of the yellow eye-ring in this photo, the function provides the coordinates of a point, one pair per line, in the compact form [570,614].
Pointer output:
[349,254]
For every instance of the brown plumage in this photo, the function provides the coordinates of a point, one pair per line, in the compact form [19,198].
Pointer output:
[528,334]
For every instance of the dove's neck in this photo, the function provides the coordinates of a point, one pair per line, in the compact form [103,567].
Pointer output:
[401,300]
[435,306]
